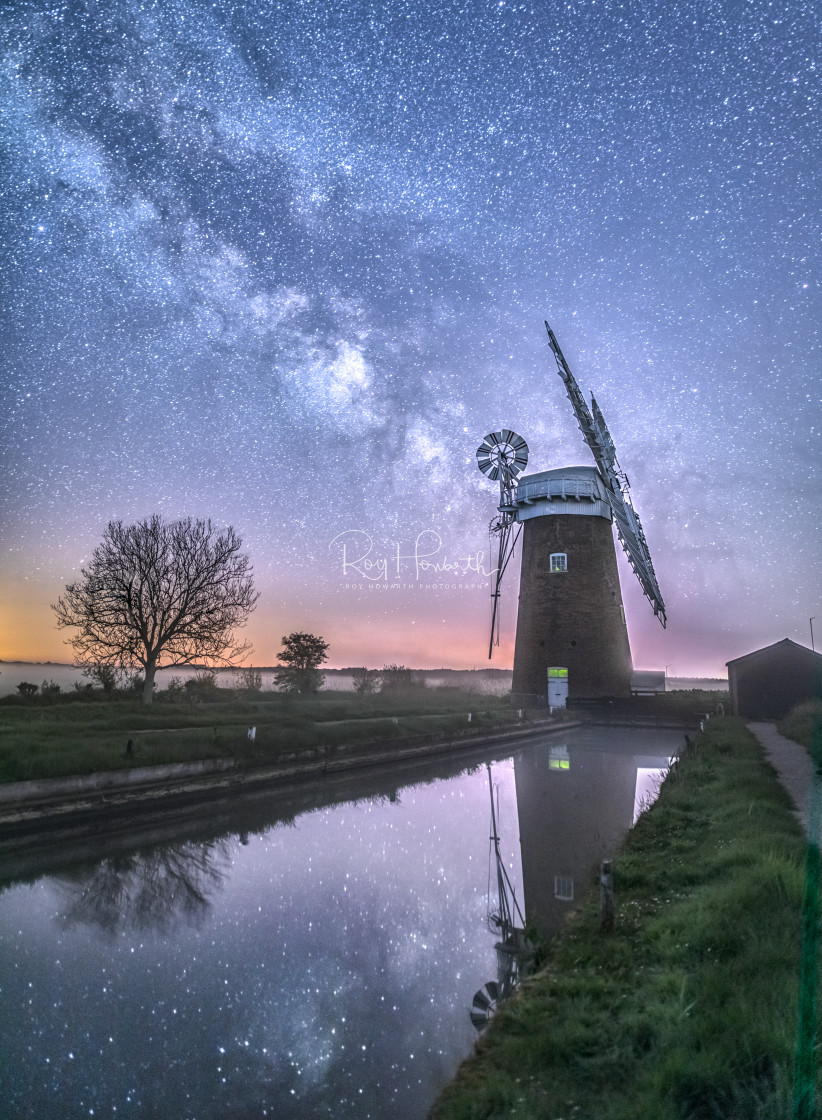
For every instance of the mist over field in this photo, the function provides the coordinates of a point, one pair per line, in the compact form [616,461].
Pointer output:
[494,682]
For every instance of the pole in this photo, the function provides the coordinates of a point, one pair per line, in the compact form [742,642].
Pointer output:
[806,1034]
[606,896]
[810,623]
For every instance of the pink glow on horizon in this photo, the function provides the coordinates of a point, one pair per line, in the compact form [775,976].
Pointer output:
[452,638]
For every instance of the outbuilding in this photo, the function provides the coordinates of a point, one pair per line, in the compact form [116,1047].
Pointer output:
[648,682]
[767,683]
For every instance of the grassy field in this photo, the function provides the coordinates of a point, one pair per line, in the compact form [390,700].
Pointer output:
[58,734]
[53,737]
[688,1009]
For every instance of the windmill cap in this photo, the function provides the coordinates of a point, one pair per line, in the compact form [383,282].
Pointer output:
[581,472]
[571,490]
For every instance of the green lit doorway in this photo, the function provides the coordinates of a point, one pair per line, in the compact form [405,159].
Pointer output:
[557,687]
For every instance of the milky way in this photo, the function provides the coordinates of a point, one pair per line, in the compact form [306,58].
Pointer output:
[284,266]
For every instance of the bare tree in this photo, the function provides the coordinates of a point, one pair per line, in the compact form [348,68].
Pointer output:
[146,889]
[159,594]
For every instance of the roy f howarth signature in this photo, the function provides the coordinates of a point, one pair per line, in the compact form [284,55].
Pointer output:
[359,556]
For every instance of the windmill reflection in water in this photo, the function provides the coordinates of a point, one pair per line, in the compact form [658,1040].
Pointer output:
[506,921]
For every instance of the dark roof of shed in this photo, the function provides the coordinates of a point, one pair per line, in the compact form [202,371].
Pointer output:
[777,645]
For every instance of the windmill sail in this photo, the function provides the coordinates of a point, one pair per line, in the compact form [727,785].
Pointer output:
[629,527]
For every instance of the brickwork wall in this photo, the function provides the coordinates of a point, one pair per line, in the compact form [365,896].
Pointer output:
[575,618]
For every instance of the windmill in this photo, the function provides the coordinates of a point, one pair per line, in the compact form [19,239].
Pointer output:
[512,948]
[571,632]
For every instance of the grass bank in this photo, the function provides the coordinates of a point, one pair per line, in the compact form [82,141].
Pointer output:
[50,738]
[688,1009]
[804,724]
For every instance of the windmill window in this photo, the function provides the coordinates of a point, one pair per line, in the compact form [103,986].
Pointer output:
[559,562]
[564,888]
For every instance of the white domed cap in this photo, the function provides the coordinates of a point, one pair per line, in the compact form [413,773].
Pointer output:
[566,491]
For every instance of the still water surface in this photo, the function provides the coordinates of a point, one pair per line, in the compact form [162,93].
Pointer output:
[316,965]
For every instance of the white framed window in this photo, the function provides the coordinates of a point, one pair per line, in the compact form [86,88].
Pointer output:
[559,562]
[564,888]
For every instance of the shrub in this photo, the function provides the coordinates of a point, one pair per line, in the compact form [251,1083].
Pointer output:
[248,680]
[397,678]
[174,691]
[202,686]
[365,681]
[26,688]
[104,676]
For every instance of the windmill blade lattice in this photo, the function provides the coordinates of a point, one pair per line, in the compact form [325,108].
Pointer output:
[502,455]
[484,1005]
[629,527]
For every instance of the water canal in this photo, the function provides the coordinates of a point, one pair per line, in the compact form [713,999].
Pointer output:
[306,955]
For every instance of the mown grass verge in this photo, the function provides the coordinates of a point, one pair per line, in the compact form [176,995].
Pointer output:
[688,1009]
[49,740]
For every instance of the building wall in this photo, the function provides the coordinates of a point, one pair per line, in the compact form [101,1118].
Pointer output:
[768,683]
[575,618]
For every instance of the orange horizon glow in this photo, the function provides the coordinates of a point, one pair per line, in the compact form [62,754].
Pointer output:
[443,631]
[28,634]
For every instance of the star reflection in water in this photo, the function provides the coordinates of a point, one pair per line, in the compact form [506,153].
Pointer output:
[322,964]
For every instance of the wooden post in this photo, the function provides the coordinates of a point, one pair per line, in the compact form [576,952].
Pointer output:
[606,896]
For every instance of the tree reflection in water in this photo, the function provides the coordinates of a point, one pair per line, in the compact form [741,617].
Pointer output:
[155,889]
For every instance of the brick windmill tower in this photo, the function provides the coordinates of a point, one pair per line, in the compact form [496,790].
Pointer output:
[572,641]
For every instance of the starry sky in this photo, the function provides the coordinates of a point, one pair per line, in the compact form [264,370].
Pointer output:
[284,265]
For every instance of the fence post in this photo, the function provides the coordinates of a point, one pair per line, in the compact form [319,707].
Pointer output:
[606,896]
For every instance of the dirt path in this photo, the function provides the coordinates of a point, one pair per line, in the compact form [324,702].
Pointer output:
[792,764]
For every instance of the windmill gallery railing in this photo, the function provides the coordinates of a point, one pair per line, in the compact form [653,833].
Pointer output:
[565,488]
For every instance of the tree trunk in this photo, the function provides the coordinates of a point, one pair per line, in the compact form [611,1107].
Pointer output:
[148,687]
